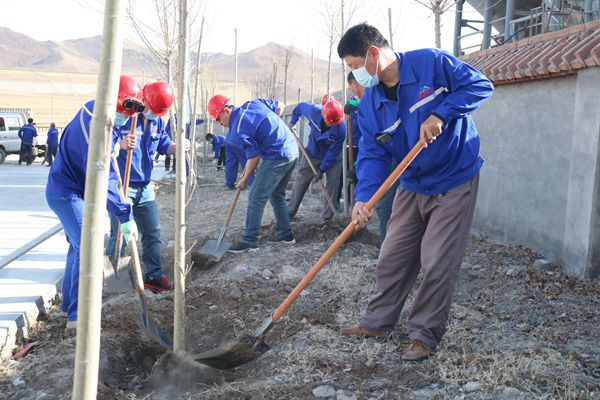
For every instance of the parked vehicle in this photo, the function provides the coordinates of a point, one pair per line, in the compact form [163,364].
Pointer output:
[11,120]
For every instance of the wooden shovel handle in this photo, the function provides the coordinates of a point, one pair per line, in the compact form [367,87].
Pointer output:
[385,186]
[129,156]
[314,170]
[232,207]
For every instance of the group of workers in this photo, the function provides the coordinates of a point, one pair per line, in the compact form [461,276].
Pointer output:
[399,99]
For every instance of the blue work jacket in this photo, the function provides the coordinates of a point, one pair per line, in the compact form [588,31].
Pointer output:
[218,143]
[27,133]
[67,173]
[52,139]
[322,145]
[261,132]
[431,82]
[152,137]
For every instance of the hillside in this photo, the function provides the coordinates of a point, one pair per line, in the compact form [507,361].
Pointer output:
[255,67]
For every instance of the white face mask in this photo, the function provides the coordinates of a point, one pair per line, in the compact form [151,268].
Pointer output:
[120,120]
[150,115]
[363,77]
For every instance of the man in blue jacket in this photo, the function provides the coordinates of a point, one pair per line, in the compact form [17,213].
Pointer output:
[151,138]
[423,95]
[218,145]
[66,186]
[263,136]
[51,143]
[26,134]
[325,143]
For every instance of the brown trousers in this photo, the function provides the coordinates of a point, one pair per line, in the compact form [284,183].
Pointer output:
[427,233]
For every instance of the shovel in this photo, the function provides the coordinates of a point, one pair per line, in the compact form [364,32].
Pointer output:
[143,320]
[217,248]
[314,170]
[235,353]
[117,264]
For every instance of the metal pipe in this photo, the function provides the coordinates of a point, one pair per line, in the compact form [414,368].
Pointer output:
[510,11]
[457,27]
[487,26]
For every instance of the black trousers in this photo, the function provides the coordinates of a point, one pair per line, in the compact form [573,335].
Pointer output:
[221,160]
[25,153]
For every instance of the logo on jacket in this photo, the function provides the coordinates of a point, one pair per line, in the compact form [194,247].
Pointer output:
[425,91]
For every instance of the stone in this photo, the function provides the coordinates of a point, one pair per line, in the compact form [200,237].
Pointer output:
[473,386]
[235,294]
[514,270]
[344,395]
[170,243]
[267,274]
[324,391]
[212,308]
[290,275]
[542,264]
[370,363]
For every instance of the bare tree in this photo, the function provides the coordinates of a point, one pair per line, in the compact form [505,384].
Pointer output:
[260,84]
[437,7]
[287,60]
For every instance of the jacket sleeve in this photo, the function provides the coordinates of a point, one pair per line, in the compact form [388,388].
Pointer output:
[215,145]
[34,131]
[20,133]
[468,88]
[115,203]
[302,109]
[335,149]
[373,163]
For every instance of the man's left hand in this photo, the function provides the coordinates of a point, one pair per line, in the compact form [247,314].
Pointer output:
[319,176]
[430,129]
[242,183]
[128,142]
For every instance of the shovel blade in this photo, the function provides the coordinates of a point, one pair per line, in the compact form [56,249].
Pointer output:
[153,330]
[233,354]
[114,283]
[215,249]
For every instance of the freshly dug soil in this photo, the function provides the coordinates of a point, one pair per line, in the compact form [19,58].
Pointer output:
[515,331]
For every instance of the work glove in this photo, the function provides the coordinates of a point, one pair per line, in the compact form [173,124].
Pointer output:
[351,176]
[129,230]
[351,106]
[319,176]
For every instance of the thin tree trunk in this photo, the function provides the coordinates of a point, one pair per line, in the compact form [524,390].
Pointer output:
[193,156]
[312,76]
[344,153]
[329,63]
[180,226]
[87,351]
[438,34]
[390,28]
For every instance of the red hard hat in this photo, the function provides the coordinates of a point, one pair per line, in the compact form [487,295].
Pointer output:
[326,98]
[216,104]
[159,97]
[333,112]
[129,100]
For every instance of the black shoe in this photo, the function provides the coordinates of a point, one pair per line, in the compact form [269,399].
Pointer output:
[287,240]
[159,284]
[242,247]
[230,187]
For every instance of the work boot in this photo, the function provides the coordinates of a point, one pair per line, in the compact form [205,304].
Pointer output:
[360,331]
[158,284]
[242,247]
[416,350]
[287,240]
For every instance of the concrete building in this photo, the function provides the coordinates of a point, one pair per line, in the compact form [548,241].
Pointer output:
[540,135]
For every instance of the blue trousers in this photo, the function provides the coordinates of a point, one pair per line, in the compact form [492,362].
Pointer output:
[270,184]
[69,210]
[234,158]
[145,215]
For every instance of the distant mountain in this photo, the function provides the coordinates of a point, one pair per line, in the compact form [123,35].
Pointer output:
[256,67]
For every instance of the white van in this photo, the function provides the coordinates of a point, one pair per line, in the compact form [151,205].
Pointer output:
[11,120]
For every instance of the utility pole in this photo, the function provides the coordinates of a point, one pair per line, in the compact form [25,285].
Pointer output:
[235,89]
[87,350]
[312,76]
[390,28]
[180,269]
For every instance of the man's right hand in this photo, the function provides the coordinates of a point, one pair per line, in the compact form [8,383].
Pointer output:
[349,109]
[360,215]
[128,142]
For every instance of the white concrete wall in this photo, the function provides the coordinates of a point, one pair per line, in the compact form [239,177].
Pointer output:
[539,175]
